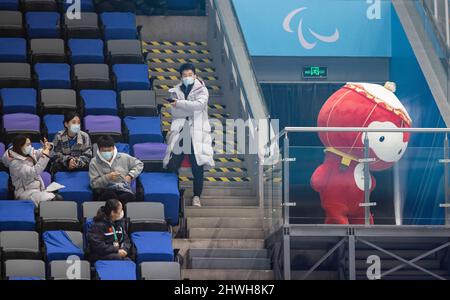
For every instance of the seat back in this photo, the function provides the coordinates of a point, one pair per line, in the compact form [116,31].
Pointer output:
[155,270]
[19,244]
[91,208]
[59,215]
[146,216]
[25,268]
[59,270]
[15,75]
[53,100]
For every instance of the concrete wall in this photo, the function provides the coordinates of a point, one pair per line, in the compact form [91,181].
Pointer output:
[173,28]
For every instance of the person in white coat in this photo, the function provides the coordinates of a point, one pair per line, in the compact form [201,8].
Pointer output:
[190,131]
[26,166]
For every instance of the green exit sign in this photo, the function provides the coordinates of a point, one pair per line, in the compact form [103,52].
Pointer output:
[315,72]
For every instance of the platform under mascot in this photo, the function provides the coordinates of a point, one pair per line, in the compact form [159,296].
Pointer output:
[340,178]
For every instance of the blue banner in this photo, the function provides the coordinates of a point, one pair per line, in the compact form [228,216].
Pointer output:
[342,28]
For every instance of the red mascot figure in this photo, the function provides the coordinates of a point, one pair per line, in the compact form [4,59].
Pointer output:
[340,178]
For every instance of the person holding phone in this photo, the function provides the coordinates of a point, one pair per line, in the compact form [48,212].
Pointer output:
[111,171]
[190,131]
[26,165]
[107,238]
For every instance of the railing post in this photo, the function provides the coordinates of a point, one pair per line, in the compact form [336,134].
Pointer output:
[366,181]
[447,29]
[286,202]
[446,183]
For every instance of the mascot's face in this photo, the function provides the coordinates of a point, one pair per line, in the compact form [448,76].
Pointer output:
[366,105]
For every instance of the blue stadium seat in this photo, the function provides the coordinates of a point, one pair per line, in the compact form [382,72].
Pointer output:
[131,77]
[9,4]
[53,76]
[4,178]
[123,148]
[143,130]
[86,5]
[53,123]
[13,50]
[17,215]
[77,186]
[59,244]
[181,4]
[163,188]
[116,269]
[18,100]
[86,51]
[99,102]
[119,25]
[153,246]
[43,24]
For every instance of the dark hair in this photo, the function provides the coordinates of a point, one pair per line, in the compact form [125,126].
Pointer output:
[187,66]
[105,211]
[105,141]
[18,142]
[68,116]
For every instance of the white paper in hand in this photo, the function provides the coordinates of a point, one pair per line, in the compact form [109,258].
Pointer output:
[54,186]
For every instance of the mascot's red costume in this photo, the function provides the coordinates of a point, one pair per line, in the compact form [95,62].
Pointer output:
[340,179]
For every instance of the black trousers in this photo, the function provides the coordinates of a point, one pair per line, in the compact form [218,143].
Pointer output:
[197,171]
[123,197]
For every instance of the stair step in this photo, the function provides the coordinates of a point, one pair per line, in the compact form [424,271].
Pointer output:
[230,263]
[218,243]
[175,44]
[179,53]
[214,108]
[202,274]
[173,82]
[226,233]
[227,189]
[226,201]
[228,253]
[188,173]
[222,211]
[170,72]
[176,64]
[218,222]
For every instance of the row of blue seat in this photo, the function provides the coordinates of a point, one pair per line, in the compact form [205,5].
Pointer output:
[85,5]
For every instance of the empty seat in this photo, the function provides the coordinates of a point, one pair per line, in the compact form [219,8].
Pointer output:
[24,269]
[42,25]
[153,246]
[19,100]
[59,244]
[48,50]
[21,123]
[138,103]
[90,208]
[86,51]
[58,215]
[101,125]
[62,270]
[119,25]
[40,5]
[160,270]
[19,245]
[4,181]
[77,186]
[86,27]
[53,124]
[131,77]
[163,188]
[92,76]
[53,75]
[13,50]
[17,215]
[143,130]
[151,154]
[146,216]
[125,52]
[15,75]
[58,100]
[9,4]
[11,24]
[85,5]
[99,102]
[115,270]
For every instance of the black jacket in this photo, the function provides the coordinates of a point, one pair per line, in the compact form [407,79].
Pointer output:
[101,238]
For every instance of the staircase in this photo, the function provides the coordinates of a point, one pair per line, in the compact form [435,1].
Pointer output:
[225,236]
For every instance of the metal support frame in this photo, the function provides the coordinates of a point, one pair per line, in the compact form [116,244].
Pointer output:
[286,231]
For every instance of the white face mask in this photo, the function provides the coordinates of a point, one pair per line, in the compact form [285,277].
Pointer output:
[188,80]
[27,150]
[75,128]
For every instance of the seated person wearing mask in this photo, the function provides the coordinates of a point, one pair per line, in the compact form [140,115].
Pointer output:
[73,149]
[111,171]
[107,237]
[25,168]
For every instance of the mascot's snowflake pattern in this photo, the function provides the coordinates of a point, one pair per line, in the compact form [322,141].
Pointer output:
[340,178]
